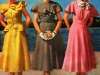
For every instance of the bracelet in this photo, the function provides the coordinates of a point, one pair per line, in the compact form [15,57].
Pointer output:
[54,32]
[41,33]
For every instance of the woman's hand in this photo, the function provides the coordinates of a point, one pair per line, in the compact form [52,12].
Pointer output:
[48,34]
[41,34]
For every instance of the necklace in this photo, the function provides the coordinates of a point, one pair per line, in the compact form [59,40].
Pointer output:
[83,4]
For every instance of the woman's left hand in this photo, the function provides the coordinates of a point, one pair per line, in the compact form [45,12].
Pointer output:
[48,34]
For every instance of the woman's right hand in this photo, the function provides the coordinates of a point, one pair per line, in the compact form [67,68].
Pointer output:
[7,27]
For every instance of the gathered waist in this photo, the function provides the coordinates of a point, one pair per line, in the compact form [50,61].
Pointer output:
[14,21]
[17,27]
[45,26]
[81,23]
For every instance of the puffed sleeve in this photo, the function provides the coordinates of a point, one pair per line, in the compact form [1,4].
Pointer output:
[34,9]
[3,8]
[70,8]
[94,12]
[20,6]
[58,8]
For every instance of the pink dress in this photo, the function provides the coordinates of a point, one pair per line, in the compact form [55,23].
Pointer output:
[79,55]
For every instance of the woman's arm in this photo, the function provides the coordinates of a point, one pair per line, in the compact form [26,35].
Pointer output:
[66,20]
[59,22]
[35,23]
[89,23]
[2,21]
[27,16]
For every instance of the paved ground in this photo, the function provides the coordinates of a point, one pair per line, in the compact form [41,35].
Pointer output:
[59,72]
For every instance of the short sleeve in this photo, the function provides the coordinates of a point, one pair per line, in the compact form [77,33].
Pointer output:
[19,6]
[58,8]
[3,7]
[70,8]
[94,12]
[34,9]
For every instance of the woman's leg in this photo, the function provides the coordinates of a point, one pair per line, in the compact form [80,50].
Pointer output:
[11,73]
[19,73]
[81,73]
[46,73]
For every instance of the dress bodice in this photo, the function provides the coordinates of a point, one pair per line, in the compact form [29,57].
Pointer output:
[47,13]
[81,15]
[13,16]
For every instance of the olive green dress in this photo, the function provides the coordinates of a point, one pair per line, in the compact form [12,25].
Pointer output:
[48,55]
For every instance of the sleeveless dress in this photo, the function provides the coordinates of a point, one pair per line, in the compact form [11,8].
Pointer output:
[79,55]
[48,55]
[15,49]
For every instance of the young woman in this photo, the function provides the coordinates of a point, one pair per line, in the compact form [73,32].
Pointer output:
[79,56]
[49,46]
[15,50]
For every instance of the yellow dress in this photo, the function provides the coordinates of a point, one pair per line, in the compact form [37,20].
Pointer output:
[15,49]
